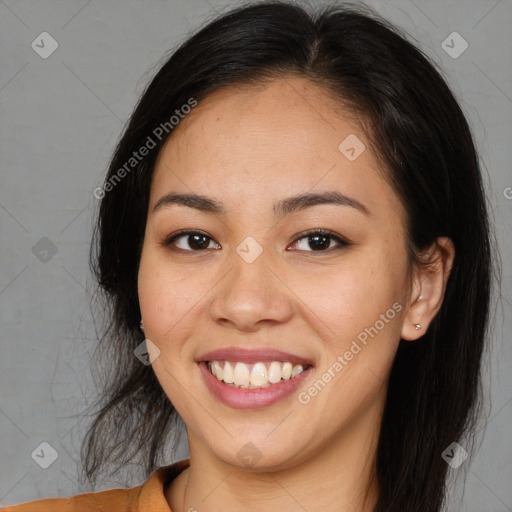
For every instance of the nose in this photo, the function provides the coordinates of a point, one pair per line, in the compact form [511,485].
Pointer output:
[251,295]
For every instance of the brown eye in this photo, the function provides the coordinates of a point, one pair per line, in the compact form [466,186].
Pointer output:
[191,241]
[320,240]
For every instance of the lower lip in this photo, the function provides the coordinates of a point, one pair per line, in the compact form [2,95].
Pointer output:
[240,398]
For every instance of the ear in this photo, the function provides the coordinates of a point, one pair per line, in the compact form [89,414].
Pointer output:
[428,287]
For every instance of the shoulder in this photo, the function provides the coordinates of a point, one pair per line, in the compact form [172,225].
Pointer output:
[104,501]
[146,497]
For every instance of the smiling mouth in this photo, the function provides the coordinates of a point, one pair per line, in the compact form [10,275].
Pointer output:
[254,376]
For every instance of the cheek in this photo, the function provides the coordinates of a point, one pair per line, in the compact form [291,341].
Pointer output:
[371,333]
[343,300]
[158,290]
[361,307]
[163,300]
[169,295]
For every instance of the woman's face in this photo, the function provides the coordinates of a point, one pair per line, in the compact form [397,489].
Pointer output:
[250,283]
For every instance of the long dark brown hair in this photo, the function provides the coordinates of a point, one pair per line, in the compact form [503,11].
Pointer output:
[420,133]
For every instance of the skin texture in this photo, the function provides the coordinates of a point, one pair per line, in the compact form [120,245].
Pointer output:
[248,148]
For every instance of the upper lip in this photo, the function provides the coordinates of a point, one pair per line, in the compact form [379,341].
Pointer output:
[251,356]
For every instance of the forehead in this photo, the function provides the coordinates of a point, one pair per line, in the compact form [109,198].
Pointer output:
[254,144]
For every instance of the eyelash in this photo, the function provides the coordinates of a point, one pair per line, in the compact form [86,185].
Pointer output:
[304,234]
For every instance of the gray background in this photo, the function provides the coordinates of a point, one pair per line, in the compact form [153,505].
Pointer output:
[60,119]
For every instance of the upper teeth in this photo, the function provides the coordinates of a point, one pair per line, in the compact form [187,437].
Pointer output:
[259,375]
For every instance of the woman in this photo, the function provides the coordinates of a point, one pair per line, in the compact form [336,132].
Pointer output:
[294,221]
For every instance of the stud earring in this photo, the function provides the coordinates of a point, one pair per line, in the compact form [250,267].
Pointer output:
[419,298]
[417,326]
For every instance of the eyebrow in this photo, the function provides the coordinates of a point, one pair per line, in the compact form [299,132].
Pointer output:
[281,208]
